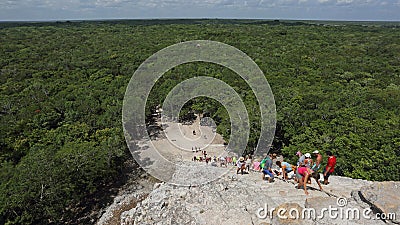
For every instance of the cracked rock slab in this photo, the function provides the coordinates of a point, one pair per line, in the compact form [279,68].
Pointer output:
[384,196]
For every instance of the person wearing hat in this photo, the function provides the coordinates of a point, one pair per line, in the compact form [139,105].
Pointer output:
[318,161]
[307,163]
[241,165]
[308,160]
[300,162]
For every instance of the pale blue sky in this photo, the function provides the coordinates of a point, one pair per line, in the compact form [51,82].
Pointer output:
[262,9]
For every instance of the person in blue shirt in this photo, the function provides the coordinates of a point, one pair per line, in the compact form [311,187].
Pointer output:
[287,169]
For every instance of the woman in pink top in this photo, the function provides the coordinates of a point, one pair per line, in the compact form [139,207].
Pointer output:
[256,166]
[306,172]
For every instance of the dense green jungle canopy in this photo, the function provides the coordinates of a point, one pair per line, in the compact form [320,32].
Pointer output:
[336,87]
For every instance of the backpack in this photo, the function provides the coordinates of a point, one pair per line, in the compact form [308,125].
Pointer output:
[262,164]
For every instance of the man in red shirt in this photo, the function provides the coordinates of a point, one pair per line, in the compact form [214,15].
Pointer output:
[330,167]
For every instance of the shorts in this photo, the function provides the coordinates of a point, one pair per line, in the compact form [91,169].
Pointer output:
[298,175]
[267,172]
[316,168]
[290,175]
[327,174]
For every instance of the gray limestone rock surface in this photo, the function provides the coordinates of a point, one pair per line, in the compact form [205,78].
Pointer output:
[248,200]
[384,198]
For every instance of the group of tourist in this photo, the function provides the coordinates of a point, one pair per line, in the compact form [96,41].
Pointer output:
[306,168]
[222,161]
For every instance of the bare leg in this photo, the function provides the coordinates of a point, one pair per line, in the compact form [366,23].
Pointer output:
[300,183]
[319,184]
